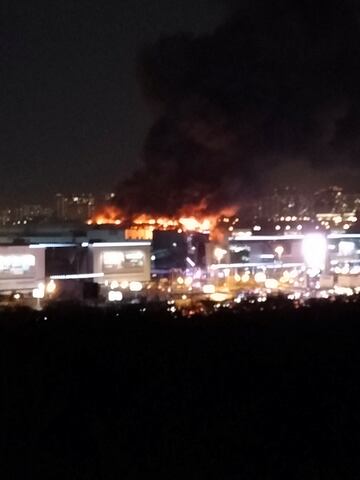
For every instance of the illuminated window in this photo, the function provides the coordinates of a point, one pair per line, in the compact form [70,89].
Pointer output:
[121,261]
[17,265]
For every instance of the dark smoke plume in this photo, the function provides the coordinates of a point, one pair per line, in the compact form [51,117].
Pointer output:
[277,85]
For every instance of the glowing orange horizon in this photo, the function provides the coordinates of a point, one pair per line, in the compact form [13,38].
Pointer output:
[196,222]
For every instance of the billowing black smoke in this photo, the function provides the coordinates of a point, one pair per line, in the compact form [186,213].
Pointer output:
[277,86]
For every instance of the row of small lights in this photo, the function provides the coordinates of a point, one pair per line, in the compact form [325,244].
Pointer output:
[294,218]
[346,226]
[257,228]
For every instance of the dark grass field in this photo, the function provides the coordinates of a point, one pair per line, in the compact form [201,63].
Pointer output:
[101,394]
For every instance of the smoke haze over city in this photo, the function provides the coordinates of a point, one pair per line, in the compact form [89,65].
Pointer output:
[270,98]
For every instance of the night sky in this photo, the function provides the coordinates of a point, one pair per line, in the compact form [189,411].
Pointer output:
[73,116]
[178,102]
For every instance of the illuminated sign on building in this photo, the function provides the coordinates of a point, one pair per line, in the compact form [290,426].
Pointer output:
[115,261]
[17,265]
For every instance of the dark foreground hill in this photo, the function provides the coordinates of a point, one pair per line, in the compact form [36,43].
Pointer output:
[101,394]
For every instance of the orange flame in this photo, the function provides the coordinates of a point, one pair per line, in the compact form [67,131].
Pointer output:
[191,219]
[190,223]
[108,216]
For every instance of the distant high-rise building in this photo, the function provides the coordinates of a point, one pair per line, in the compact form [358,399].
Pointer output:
[282,202]
[352,201]
[329,200]
[60,206]
[109,196]
[336,209]
[76,207]
[24,214]
[5,216]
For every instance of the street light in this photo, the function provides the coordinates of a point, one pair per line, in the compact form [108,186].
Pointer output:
[279,250]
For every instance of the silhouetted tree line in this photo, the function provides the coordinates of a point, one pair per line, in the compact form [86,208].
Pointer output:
[121,393]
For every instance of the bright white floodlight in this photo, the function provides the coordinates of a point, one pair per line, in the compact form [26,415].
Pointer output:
[260,277]
[314,249]
[135,286]
[115,296]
